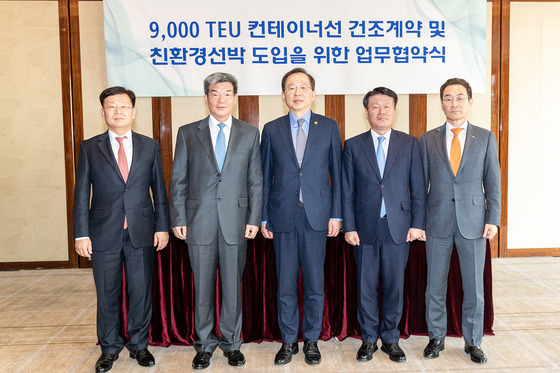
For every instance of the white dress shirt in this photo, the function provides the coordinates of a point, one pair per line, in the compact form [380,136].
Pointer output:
[449,136]
[214,129]
[384,144]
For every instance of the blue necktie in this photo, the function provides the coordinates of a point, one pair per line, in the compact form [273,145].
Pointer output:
[381,163]
[220,149]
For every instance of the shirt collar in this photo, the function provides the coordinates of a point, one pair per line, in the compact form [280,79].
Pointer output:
[214,122]
[387,135]
[113,135]
[449,127]
[294,119]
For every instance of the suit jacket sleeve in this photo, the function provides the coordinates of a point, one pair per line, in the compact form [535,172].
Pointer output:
[159,194]
[336,172]
[82,190]
[417,188]
[179,185]
[267,171]
[348,189]
[255,184]
[491,182]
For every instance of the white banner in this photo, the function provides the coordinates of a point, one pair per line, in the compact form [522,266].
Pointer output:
[168,47]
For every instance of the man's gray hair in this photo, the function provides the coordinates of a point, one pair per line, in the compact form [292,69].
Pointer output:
[216,78]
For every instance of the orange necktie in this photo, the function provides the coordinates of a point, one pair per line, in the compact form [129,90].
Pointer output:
[455,156]
[123,166]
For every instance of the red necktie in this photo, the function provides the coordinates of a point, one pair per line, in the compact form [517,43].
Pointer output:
[123,166]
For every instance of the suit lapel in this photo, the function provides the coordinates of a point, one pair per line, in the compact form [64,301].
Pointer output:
[312,136]
[286,134]
[366,143]
[441,146]
[394,147]
[205,139]
[104,145]
[235,137]
[137,151]
[470,142]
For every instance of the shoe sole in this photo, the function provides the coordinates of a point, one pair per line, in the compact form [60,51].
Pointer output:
[434,355]
[475,361]
[394,360]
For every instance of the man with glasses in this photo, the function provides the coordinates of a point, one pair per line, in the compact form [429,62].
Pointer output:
[301,156]
[216,203]
[126,217]
[462,175]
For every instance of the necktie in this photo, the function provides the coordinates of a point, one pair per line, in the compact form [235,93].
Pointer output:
[301,140]
[123,166]
[220,149]
[455,153]
[381,163]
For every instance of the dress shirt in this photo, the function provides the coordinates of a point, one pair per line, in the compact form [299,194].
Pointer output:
[294,125]
[449,136]
[127,143]
[384,144]
[214,129]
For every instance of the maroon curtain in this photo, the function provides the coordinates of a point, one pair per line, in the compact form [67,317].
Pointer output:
[173,289]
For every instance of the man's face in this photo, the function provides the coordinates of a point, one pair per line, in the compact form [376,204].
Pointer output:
[118,113]
[298,94]
[456,104]
[380,113]
[220,100]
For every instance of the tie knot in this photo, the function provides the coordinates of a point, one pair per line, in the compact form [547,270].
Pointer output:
[300,122]
[381,139]
[221,125]
[120,139]
[456,131]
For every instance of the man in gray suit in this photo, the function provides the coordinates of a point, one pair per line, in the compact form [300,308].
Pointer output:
[463,208]
[216,204]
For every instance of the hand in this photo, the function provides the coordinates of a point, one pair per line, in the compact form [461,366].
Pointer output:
[160,240]
[83,247]
[352,238]
[334,228]
[180,232]
[423,236]
[490,231]
[251,231]
[414,234]
[266,233]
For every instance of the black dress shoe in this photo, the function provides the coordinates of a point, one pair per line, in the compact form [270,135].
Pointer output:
[144,357]
[105,362]
[477,355]
[201,360]
[235,358]
[433,348]
[394,351]
[284,355]
[366,351]
[311,351]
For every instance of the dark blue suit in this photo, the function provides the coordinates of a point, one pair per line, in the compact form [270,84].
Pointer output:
[383,250]
[300,232]
[98,176]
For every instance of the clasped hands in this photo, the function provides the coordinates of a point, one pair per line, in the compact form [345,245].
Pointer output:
[250,231]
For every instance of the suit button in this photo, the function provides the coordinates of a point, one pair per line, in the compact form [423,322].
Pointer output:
[122,209]
[219,200]
[453,200]
[379,205]
[220,180]
[297,193]
[300,174]
[456,182]
[126,189]
[382,186]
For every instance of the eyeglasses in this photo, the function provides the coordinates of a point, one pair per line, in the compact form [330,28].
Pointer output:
[120,107]
[459,99]
[216,95]
[303,89]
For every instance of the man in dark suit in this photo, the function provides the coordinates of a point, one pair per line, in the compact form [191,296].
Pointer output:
[383,199]
[216,203]
[121,224]
[301,207]
[462,174]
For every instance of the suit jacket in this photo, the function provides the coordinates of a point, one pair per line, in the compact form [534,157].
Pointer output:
[473,196]
[402,186]
[202,198]
[283,176]
[97,172]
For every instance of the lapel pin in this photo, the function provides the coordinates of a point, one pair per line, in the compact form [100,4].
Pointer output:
[315,122]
